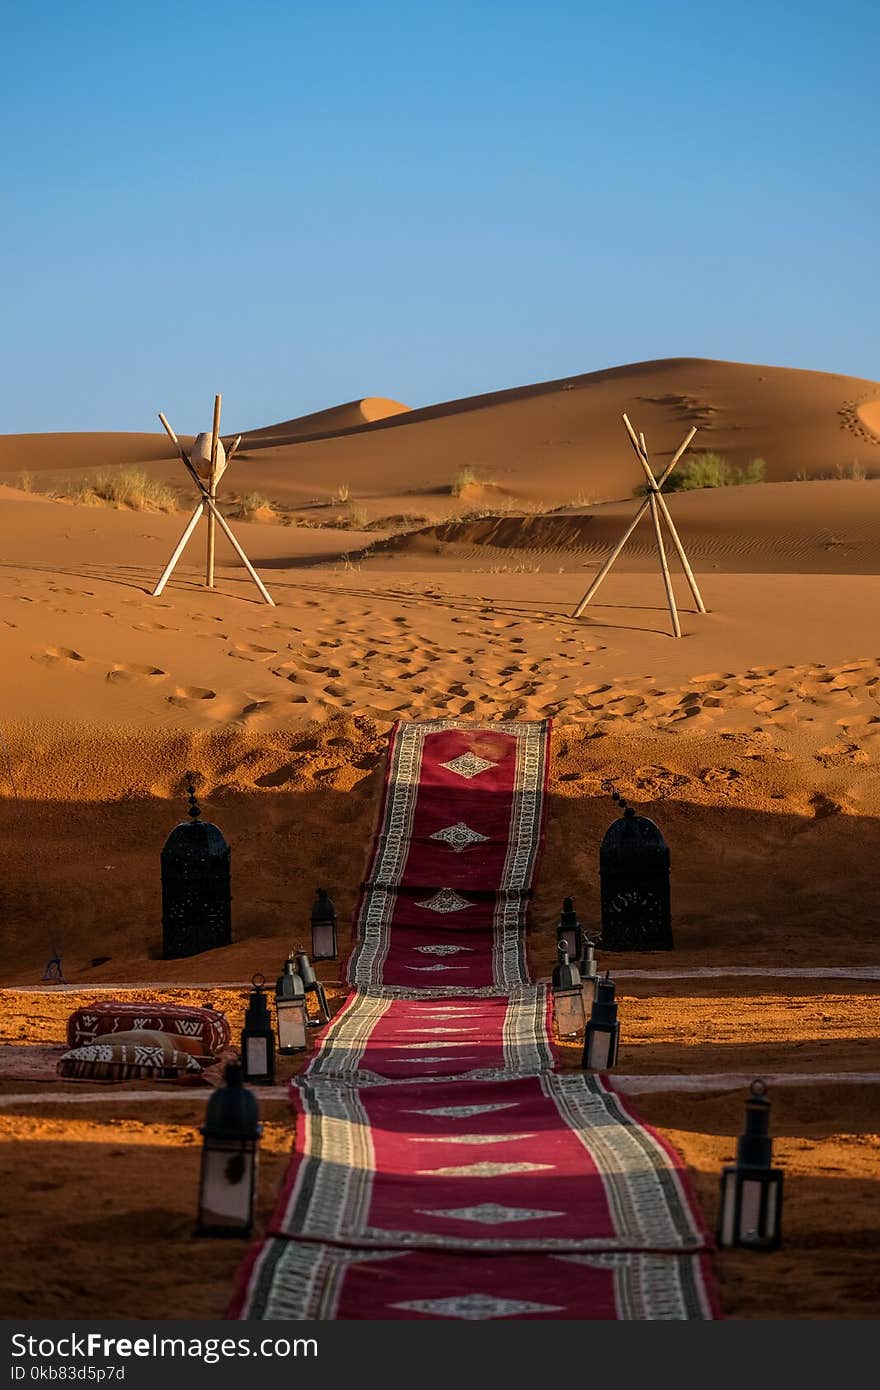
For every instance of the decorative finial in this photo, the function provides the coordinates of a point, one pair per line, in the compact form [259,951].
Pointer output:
[567,905]
[195,809]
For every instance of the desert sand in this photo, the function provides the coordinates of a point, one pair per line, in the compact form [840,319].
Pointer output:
[426,563]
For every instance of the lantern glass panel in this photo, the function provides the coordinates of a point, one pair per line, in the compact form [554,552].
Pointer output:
[227,1185]
[256,1056]
[750,1210]
[588,993]
[568,937]
[323,941]
[601,1047]
[568,1011]
[727,1225]
[291,1025]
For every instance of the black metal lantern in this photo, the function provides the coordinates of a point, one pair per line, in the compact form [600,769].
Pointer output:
[313,986]
[568,998]
[257,1038]
[634,873]
[569,933]
[323,927]
[602,1037]
[196,898]
[589,972]
[751,1189]
[231,1135]
[290,1009]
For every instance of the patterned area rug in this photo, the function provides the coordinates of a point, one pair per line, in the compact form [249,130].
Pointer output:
[443,1166]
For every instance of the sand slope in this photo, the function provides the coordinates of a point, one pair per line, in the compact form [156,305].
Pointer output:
[555,442]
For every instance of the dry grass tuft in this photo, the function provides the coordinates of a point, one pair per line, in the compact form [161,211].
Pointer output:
[464,478]
[250,503]
[122,487]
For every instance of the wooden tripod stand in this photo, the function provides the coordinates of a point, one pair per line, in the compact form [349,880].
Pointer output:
[205,464]
[654,502]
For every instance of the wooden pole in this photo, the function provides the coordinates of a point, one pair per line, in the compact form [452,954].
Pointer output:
[679,548]
[212,489]
[209,563]
[179,549]
[221,521]
[655,485]
[611,558]
[667,578]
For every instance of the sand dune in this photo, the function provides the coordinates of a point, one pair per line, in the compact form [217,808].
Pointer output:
[354,415]
[555,442]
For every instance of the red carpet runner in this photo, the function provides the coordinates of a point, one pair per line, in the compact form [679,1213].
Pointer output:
[443,1168]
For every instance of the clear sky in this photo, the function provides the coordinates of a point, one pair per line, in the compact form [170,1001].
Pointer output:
[302,203]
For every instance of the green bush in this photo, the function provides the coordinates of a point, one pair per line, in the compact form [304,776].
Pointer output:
[709,470]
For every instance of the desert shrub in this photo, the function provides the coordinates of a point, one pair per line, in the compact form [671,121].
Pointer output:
[26,482]
[250,503]
[465,477]
[343,492]
[854,471]
[123,487]
[710,470]
[357,518]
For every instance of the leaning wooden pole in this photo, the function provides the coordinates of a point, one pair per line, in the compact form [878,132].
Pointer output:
[664,565]
[589,595]
[212,489]
[611,558]
[679,549]
[221,520]
[178,550]
[655,485]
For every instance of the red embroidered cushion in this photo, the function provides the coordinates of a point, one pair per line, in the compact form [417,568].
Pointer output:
[203,1032]
[138,1055]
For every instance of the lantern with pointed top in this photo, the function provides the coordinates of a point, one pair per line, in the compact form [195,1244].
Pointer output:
[323,927]
[290,1009]
[634,874]
[257,1037]
[602,1036]
[589,972]
[231,1135]
[313,986]
[569,932]
[196,897]
[568,998]
[751,1189]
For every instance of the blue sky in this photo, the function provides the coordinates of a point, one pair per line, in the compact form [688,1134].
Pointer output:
[299,204]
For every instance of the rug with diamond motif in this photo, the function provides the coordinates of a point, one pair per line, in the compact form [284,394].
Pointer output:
[443,1165]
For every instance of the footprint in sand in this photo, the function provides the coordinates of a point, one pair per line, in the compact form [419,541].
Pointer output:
[250,651]
[188,695]
[125,672]
[278,778]
[53,655]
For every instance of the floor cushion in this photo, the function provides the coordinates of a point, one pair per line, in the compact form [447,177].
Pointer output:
[203,1032]
[141,1054]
